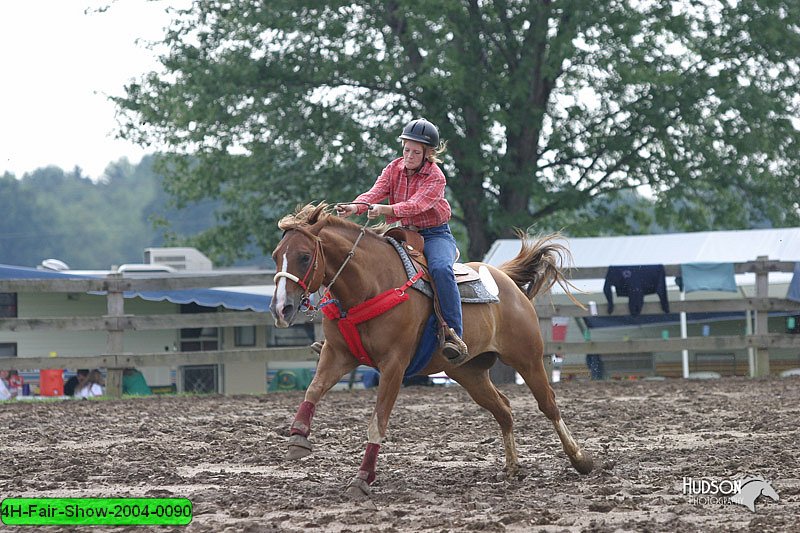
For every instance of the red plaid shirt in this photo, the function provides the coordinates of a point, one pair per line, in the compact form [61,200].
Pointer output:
[417,200]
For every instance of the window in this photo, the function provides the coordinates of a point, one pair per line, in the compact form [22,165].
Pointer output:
[244,336]
[8,349]
[299,335]
[200,379]
[8,305]
[198,339]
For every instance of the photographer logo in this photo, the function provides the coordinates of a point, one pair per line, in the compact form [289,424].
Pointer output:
[743,491]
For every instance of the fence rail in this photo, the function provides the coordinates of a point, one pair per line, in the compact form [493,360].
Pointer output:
[130,360]
[548,310]
[118,283]
[136,322]
[116,321]
[637,346]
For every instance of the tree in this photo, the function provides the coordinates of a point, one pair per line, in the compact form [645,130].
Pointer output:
[26,232]
[549,107]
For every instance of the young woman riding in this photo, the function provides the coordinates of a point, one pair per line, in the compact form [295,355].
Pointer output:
[414,185]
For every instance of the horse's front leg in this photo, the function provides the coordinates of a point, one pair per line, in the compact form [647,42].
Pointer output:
[332,366]
[388,388]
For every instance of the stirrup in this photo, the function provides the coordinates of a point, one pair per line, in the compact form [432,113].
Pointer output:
[454,349]
[317,347]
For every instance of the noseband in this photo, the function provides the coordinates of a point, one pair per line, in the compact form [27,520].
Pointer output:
[308,277]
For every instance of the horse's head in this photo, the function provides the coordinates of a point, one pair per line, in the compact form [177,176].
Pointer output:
[299,260]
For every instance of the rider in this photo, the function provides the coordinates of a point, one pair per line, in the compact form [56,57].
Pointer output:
[414,185]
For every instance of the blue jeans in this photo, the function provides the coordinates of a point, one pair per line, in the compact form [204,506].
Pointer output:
[440,251]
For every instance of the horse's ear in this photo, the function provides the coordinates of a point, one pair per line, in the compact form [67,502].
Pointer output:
[315,216]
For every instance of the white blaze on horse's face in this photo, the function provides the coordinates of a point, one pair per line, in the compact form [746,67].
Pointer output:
[290,290]
[285,303]
[280,298]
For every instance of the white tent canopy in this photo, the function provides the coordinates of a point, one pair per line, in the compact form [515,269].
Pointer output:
[671,249]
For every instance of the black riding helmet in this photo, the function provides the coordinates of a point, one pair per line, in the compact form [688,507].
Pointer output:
[422,131]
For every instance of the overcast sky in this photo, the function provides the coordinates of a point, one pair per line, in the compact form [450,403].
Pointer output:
[60,60]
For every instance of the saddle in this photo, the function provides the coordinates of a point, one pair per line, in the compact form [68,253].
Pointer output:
[410,246]
[414,245]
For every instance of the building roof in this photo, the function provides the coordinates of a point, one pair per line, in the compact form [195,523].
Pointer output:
[255,298]
[737,246]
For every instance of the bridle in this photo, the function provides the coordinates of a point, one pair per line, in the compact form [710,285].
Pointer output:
[311,271]
[308,278]
[305,302]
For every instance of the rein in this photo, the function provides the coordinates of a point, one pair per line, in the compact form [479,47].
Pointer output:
[352,251]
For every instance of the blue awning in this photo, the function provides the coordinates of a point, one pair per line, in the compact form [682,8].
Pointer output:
[239,301]
[236,300]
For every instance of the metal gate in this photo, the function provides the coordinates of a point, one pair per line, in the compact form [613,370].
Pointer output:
[200,379]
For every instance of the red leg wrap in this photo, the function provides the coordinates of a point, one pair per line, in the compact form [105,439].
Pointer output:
[367,470]
[302,420]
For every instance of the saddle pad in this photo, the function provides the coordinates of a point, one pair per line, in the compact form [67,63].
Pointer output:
[465,273]
[472,292]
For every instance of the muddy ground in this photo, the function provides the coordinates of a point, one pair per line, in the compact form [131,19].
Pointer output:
[440,468]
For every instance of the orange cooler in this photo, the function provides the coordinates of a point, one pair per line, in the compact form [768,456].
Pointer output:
[51,382]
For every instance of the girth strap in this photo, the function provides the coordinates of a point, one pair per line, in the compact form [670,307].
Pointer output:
[348,320]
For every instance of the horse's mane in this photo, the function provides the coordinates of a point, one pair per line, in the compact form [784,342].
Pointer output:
[310,214]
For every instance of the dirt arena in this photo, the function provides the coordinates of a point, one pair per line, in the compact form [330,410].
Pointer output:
[440,468]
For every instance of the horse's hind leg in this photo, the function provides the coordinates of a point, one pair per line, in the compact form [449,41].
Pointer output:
[482,390]
[332,366]
[533,372]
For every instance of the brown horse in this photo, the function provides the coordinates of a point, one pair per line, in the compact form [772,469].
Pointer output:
[314,247]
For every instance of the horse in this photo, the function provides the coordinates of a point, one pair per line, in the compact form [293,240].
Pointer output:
[355,263]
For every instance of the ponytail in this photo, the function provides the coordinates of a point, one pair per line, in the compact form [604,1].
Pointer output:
[434,154]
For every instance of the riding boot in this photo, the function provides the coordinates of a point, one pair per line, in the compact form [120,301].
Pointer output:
[317,346]
[454,349]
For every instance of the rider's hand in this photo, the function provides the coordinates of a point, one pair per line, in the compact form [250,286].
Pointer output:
[374,211]
[377,210]
[345,210]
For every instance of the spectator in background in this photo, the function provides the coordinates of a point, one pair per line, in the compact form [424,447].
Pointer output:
[5,394]
[15,382]
[76,382]
[133,382]
[93,386]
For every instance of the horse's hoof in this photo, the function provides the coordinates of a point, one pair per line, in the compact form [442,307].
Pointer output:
[299,447]
[582,462]
[358,489]
[511,470]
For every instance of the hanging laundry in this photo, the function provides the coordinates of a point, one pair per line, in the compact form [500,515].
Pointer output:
[634,282]
[707,277]
[794,286]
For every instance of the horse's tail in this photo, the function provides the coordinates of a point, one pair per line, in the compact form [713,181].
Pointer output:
[539,265]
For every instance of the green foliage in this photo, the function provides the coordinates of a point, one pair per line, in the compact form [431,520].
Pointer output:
[50,213]
[552,109]
[25,231]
